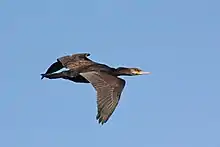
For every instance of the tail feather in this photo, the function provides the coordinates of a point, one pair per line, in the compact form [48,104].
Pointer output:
[53,75]
[43,76]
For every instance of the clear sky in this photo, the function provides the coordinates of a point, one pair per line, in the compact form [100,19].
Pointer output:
[176,106]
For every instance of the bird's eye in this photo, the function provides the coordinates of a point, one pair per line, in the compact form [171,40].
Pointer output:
[138,70]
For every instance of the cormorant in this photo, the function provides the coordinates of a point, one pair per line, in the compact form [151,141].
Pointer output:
[103,78]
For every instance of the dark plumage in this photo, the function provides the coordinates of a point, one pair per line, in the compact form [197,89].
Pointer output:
[103,78]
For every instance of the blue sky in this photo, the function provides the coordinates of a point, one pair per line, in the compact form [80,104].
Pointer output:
[178,41]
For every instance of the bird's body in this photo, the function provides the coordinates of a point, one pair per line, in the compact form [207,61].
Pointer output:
[103,78]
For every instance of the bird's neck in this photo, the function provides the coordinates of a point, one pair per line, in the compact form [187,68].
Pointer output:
[122,71]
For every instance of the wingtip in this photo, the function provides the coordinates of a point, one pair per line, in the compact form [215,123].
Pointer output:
[101,120]
[88,54]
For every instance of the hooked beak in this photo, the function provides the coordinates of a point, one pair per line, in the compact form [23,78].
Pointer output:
[144,73]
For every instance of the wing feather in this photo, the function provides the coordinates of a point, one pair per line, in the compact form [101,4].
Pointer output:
[109,89]
[73,61]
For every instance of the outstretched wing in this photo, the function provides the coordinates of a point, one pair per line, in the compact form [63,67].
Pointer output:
[70,61]
[54,67]
[109,89]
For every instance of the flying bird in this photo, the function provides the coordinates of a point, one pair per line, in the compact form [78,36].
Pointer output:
[104,79]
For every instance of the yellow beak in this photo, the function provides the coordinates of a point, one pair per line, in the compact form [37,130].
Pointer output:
[143,73]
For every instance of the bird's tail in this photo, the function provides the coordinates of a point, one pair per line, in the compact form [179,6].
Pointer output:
[43,76]
[53,75]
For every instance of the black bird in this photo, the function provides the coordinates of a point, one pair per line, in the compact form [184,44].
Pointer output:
[103,78]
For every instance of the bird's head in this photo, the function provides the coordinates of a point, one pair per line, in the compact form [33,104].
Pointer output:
[137,71]
[131,71]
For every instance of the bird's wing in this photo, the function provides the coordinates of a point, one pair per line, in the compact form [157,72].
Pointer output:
[75,61]
[65,60]
[54,67]
[109,89]
[70,62]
